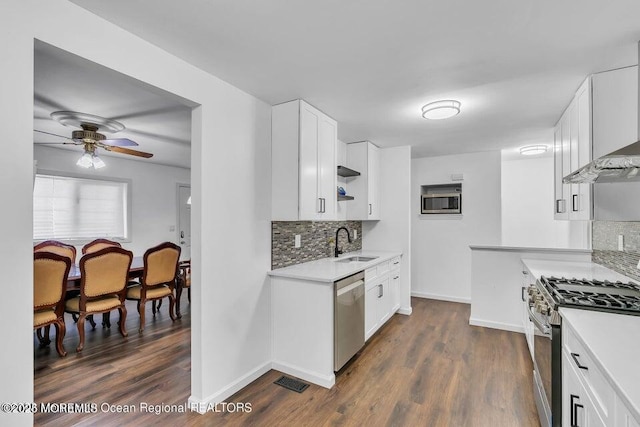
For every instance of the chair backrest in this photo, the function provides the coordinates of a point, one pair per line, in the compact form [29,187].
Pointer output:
[98,244]
[185,272]
[57,247]
[104,272]
[161,264]
[50,273]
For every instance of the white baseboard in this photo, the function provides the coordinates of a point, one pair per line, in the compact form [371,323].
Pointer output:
[326,381]
[405,310]
[229,390]
[496,325]
[441,297]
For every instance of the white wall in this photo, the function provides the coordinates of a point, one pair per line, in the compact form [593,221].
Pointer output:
[230,141]
[441,257]
[153,190]
[341,160]
[527,208]
[393,231]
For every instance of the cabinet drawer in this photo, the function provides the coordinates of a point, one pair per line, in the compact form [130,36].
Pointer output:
[383,268]
[394,264]
[594,381]
[377,271]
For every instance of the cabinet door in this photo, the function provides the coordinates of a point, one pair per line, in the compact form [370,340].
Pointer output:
[327,190]
[623,417]
[385,301]
[373,173]
[371,319]
[310,203]
[560,202]
[394,290]
[581,151]
[577,408]
[565,124]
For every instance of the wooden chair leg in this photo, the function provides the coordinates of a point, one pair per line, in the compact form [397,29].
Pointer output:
[153,307]
[141,304]
[123,317]
[80,325]
[90,319]
[178,298]
[172,304]
[74,317]
[60,332]
[43,337]
[106,320]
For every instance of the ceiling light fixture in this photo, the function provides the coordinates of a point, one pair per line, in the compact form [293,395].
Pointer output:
[89,159]
[441,109]
[531,150]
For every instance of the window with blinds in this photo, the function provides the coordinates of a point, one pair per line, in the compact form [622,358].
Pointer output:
[69,208]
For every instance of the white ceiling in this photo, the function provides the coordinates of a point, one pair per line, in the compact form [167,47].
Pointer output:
[156,120]
[371,64]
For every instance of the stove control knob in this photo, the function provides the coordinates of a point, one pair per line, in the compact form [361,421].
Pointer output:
[543,308]
[531,290]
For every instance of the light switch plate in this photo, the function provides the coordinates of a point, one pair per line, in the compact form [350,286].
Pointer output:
[297,241]
[621,242]
[355,234]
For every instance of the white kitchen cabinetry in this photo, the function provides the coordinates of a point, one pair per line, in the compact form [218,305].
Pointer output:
[303,156]
[588,397]
[615,125]
[364,157]
[527,324]
[572,150]
[382,294]
[577,407]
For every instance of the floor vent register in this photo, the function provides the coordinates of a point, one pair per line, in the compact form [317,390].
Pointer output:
[292,384]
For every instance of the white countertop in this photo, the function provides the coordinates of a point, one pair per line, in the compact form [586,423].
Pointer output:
[612,340]
[573,269]
[328,270]
[525,249]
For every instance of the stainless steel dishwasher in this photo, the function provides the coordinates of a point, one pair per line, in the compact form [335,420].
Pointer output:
[348,321]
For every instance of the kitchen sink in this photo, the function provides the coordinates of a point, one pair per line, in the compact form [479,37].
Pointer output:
[357,259]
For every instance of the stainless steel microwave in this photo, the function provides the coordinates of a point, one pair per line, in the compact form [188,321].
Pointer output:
[441,203]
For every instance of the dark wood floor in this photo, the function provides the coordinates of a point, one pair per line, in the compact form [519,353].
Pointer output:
[428,369]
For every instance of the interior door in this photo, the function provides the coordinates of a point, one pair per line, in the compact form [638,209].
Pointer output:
[184,220]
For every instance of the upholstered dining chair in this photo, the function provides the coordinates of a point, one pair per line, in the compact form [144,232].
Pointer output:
[50,273]
[158,279]
[57,247]
[103,282]
[183,282]
[98,244]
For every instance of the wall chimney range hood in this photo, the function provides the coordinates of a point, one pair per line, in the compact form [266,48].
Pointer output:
[622,165]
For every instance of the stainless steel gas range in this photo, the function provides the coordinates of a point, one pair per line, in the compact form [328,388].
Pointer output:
[544,298]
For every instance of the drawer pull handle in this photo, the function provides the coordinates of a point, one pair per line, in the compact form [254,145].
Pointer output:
[574,411]
[578,364]
[396,263]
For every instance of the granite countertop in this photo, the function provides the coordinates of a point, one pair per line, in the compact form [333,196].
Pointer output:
[573,269]
[612,341]
[328,270]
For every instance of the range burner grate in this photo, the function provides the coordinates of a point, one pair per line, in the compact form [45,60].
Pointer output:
[594,294]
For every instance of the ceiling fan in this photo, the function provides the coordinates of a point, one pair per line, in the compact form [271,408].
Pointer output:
[90,139]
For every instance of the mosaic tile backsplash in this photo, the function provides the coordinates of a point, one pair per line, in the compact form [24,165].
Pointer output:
[317,240]
[605,246]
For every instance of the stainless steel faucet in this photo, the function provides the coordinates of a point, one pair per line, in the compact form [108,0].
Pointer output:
[336,250]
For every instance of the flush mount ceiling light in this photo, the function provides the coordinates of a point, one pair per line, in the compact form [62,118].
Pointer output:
[531,150]
[441,109]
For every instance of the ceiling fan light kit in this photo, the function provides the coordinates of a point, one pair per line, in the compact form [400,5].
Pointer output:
[91,139]
[439,110]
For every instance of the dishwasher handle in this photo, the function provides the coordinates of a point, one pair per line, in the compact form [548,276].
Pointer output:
[350,287]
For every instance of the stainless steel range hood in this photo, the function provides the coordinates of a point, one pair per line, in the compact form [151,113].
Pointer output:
[622,165]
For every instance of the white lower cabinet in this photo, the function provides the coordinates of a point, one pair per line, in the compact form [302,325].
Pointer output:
[382,295]
[588,398]
[578,410]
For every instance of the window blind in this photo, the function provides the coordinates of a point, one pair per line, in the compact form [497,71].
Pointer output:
[69,208]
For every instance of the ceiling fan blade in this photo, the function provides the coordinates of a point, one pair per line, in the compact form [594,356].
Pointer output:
[119,142]
[59,143]
[127,151]
[52,134]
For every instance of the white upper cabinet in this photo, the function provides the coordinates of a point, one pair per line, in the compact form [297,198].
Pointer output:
[364,157]
[615,125]
[572,150]
[303,159]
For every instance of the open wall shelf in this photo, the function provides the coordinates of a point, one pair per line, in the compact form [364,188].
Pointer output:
[346,172]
